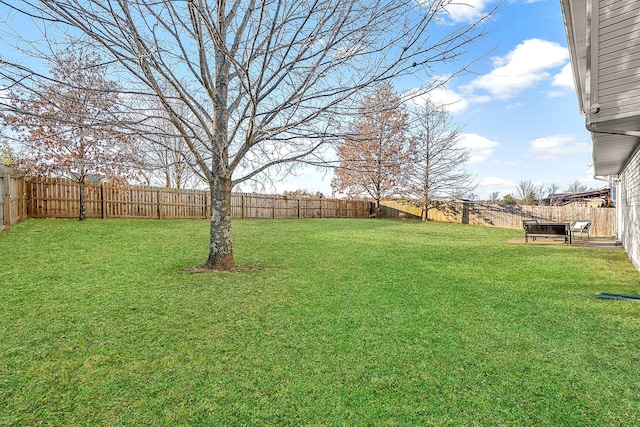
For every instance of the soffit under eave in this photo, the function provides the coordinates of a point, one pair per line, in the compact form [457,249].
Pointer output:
[612,152]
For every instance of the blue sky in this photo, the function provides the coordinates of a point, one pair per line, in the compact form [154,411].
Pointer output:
[518,109]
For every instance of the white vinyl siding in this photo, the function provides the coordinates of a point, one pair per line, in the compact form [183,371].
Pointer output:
[618,62]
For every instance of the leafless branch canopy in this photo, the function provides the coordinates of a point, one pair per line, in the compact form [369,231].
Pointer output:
[247,84]
[438,161]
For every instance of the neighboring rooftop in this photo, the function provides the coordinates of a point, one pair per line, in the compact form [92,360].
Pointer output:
[562,199]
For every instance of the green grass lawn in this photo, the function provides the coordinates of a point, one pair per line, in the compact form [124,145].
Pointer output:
[351,322]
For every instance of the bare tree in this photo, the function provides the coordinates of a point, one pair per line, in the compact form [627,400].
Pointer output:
[552,191]
[527,193]
[374,155]
[62,128]
[577,187]
[437,164]
[162,156]
[165,163]
[266,83]
[494,197]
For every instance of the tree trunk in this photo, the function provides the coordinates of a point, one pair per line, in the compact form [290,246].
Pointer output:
[425,189]
[220,246]
[82,214]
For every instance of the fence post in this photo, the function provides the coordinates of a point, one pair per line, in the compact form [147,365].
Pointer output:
[103,202]
[159,205]
[242,205]
[7,201]
[23,199]
[29,197]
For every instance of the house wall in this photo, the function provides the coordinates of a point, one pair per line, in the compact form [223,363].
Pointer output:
[614,64]
[629,198]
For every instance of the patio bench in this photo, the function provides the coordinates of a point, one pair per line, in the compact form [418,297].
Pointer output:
[535,229]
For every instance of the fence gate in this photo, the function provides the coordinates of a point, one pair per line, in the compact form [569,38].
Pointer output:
[12,207]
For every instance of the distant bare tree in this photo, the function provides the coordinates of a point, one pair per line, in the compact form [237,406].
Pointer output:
[552,191]
[494,197]
[162,156]
[577,187]
[527,193]
[165,163]
[437,160]
[266,83]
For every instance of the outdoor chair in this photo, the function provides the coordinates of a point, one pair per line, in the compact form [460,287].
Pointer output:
[581,226]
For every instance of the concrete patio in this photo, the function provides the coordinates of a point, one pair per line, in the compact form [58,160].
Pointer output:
[599,243]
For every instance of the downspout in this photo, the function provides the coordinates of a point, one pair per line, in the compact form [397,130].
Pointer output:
[615,181]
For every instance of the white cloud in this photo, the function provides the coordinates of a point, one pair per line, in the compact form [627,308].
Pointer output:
[524,67]
[564,78]
[590,181]
[450,100]
[557,146]
[492,181]
[481,148]
[556,94]
[507,163]
[468,10]
[490,184]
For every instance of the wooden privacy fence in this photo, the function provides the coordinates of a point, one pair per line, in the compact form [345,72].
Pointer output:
[268,206]
[37,197]
[509,216]
[60,198]
[12,200]
[396,209]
